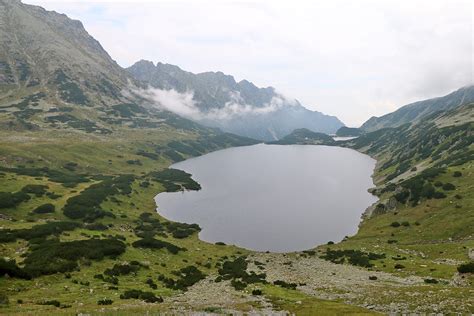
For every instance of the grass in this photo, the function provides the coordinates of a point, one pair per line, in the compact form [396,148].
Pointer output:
[438,235]
[443,236]
[299,303]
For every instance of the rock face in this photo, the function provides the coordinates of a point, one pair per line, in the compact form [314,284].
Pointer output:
[417,111]
[237,107]
[39,47]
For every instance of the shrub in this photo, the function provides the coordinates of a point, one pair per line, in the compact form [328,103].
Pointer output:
[156,244]
[257,292]
[148,297]
[87,204]
[405,223]
[448,186]
[187,277]
[237,270]
[12,270]
[122,269]
[439,195]
[372,277]
[45,208]
[457,174]
[9,200]
[181,230]
[36,189]
[431,281]
[354,257]
[105,301]
[291,286]
[51,302]
[399,266]
[174,179]
[395,224]
[466,267]
[38,231]
[238,285]
[54,256]
[151,284]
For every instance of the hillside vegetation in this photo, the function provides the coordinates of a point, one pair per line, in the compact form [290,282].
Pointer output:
[81,159]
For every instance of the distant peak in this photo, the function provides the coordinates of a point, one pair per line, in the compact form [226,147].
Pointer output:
[144,62]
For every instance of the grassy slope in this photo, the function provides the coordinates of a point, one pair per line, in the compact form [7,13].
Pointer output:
[106,155]
[440,232]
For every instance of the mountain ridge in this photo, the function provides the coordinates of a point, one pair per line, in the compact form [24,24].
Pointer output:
[416,111]
[241,107]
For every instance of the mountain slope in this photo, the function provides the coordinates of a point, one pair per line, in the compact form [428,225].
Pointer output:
[414,112]
[41,48]
[237,107]
[424,178]
[304,136]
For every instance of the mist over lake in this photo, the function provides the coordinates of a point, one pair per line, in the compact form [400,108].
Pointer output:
[272,197]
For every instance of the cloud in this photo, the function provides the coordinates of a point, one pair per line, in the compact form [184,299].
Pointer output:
[184,104]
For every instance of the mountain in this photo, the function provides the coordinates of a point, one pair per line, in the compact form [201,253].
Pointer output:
[304,136]
[414,112]
[236,107]
[41,48]
[55,78]
[348,132]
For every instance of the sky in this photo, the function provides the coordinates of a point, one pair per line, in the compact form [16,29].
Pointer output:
[351,59]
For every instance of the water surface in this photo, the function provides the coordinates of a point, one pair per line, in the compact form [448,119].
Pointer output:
[272,197]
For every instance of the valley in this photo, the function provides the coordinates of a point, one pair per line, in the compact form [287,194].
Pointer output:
[83,155]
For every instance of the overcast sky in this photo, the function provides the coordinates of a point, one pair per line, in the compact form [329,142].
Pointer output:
[352,59]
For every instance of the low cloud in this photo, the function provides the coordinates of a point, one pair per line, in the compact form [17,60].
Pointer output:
[185,105]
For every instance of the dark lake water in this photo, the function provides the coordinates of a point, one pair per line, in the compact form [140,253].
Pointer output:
[272,197]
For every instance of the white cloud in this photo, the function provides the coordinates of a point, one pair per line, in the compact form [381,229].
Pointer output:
[184,104]
[352,59]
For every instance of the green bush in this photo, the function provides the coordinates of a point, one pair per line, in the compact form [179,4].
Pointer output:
[466,267]
[53,256]
[87,204]
[237,269]
[38,231]
[238,285]
[36,189]
[12,270]
[105,301]
[395,224]
[187,277]
[10,200]
[51,302]
[156,244]
[45,208]
[122,269]
[431,281]
[457,174]
[148,297]
[448,187]
[290,286]
[354,257]
[174,180]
